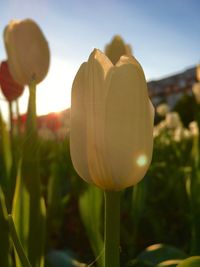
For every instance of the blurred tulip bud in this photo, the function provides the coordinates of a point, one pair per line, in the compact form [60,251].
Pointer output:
[186,134]
[198,72]
[111,132]
[159,128]
[173,120]
[156,132]
[178,134]
[194,129]
[181,134]
[162,109]
[196,91]
[10,89]
[28,51]
[46,134]
[116,49]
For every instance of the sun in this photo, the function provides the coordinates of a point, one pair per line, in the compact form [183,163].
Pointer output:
[54,93]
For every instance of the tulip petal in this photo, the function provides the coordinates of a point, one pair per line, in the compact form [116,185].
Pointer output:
[13,61]
[128,124]
[78,145]
[131,60]
[95,95]
[10,89]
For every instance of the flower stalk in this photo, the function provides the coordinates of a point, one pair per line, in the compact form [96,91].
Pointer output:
[112,229]
[11,118]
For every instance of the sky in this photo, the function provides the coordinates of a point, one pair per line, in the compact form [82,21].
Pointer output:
[164,36]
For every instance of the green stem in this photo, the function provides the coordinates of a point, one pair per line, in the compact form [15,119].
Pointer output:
[31,177]
[112,229]
[31,124]
[11,119]
[18,117]
[12,173]
[18,246]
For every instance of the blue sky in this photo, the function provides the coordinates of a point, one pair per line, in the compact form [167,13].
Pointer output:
[164,35]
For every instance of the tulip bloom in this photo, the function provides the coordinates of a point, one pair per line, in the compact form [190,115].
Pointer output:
[198,72]
[10,89]
[194,128]
[162,109]
[111,133]
[117,48]
[28,51]
[173,120]
[196,91]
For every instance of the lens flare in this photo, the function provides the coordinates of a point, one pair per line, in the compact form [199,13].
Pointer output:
[141,160]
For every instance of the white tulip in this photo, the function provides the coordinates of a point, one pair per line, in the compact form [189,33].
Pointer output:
[194,129]
[111,132]
[173,120]
[162,109]
[27,50]
[196,91]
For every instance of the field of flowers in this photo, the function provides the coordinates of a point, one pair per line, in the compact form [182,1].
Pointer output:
[51,217]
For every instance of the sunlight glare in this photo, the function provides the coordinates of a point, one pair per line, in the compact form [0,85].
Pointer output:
[141,160]
[54,94]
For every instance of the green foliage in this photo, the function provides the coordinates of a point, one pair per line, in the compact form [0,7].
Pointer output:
[138,206]
[5,255]
[169,263]
[6,154]
[186,108]
[90,206]
[18,246]
[195,211]
[29,217]
[190,262]
[29,212]
[6,149]
[56,201]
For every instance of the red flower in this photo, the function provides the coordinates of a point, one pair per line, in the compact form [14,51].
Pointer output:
[10,89]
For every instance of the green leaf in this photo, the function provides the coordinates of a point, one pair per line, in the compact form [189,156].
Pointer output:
[29,212]
[169,263]
[6,151]
[18,246]
[190,262]
[195,210]
[5,255]
[90,206]
[138,205]
[139,194]
[55,199]
[21,205]
[9,153]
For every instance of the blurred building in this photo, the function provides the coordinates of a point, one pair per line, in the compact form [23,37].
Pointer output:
[170,89]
